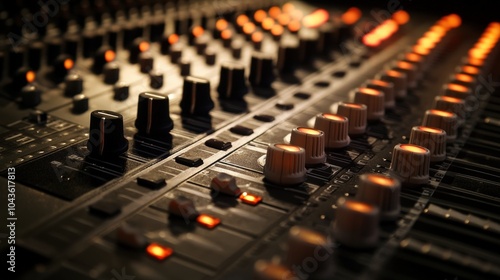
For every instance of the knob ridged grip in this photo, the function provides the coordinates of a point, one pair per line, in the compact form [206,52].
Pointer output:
[399,79]
[433,139]
[336,129]
[313,141]
[374,101]
[410,163]
[106,137]
[447,121]
[382,191]
[285,164]
[357,116]
[387,88]
[303,243]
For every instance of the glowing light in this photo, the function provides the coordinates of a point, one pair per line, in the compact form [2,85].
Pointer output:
[353,105]
[226,34]
[451,99]
[430,129]
[471,70]
[198,31]
[413,148]
[250,199]
[457,87]
[371,40]
[143,46]
[381,180]
[267,23]
[464,78]
[333,117]
[441,113]
[221,24]
[277,30]
[316,18]
[421,50]
[294,26]
[69,63]
[173,38]
[259,15]
[275,11]
[452,21]
[413,57]
[475,61]
[401,17]
[257,37]
[309,131]
[394,73]
[158,251]
[249,28]
[109,56]
[30,76]
[241,20]
[380,33]
[208,221]
[288,7]
[351,16]
[358,206]
[284,19]
[370,91]
[286,147]
[379,83]
[405,65]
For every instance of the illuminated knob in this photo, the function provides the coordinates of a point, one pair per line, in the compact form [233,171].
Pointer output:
[431,138]
[232,83]
[336,130]
[196,100]
[417,61]
[451,104]
[31,95]
[387,88]
[261,70]
[410,70]
[183,207]
[399,79]
[73,85]
[62,65]
[447,121]
[457,91]
[138,46]
[356,114]
[103,56]
[463,79]
[106,134]
[167,41]
[356,224]
[410,163]
[264,270]
[313,142]
[374,101]
[225,183]
[302,244]
[381,191]
[23,77]
[153,114]
[111,73]
[285,164]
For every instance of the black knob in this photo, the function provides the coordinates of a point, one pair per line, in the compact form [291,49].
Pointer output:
[121,91]
[92,40]
[130,32]
[155,79]
[16,59]
[54,49]
[308,42]
[106,134]
[35,55]
[38,117]
[196,100]
[176,53]
[146,62]
[71,42]
[261,70]
[23,77]
[31,95]
[74,85]
[111,73]
[104,55]
[232,84]
[153,114]
[63,64]
[185,66]
[167,41]
[210,57]
[138,46]
[80,103]
[288,56]
[157,27]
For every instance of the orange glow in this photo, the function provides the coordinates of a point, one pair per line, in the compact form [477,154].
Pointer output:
[69,63]
[309,131]
[333,117]
[294,26]
[457,87]
[284,19]
[351,16]
[430,129]
[475,61]
[30,76]
[198,31]
[370,91]
[297,14]
[221,24]
[316,18]
[109,56]
[380,33]
[353,105]
[267,23]
[471,70]
[401,17]
[358,206]
[452,21]
[288,8]
[371,40]
[434,35]
[420,50]
[477,53]
[405,65]
[226,34]
[143,46]
[250,199]
[259,15]
[249,28]
[441,113]
[289,148]
[158,251]
[426,43]
[413,57]
[464,78]
[242,19]
[379,83]
[274,11]
[394,73]
[381,180]
[451,99]
[438,29]
[208,221]
[257,37]
[413,148]
[173,38]
[277,30]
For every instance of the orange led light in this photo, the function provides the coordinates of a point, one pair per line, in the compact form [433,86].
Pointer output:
[351,16]
[426,43]
[288,7]
[109,56]
[464,78]
[316,18]
[359,206]
[198,31]
[277,30]
[297,14]
[451,99]
[69,63]
[226,34]
[274,11]
[381,180]
[420,50]
[371,40]
[471,70]
[289,148]
[309,131]
[294,26]
[208,221]
[413,148]
[369,91]
[158,251]
[284,19]
[438,29]
[173,38]
[143,46]
[249,28]
[333,117]
[405,65]
[267,23]
[257,37]
[413,57]
[242,19]
[221,24]
[430,129]
[441,113]
[250,199]
[379,83]
[475,61]
[353,105]
[452,21]
[259,15]
[30,76]
[394,73]
[456,87]
[401,17]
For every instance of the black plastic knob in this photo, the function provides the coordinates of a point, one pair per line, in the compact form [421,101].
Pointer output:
[92,40]
[153,114]
[62,65]
[106,139]
[104,55]
[196,100]
[16,59]
[31,95]
[261,70]
[80,104]
[232,84]
[35,55]
[111,73]
[23,77]
[54,49]
[138,46]
[146,62]
[288,57]
[155,79]
[74,85]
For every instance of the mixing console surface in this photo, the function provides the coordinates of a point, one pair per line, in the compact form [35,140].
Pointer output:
[248,140]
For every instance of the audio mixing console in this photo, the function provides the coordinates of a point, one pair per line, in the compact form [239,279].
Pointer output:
[248,140]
